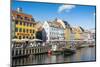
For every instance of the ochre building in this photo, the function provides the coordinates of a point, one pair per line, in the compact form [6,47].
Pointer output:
[23,25]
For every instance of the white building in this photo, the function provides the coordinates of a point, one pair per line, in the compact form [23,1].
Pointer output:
[89,35]
[93,34]
[55,33]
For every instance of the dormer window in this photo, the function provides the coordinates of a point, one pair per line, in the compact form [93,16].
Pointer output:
[25,18]
[32,19]
[18,16]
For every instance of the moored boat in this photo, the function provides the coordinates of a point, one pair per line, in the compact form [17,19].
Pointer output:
[68,51]
[91,45]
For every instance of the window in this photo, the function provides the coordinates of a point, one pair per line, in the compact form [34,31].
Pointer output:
[52,28]
[27,24]
[19,37]
[15,36]
[23,37]
[20,23]
[23,30]
[29,37]
[33,31]
[18,16]
[30,31]
[21,18]
[16,22]
[16,29]
[33,25]
[26,36]
[24,23]
[30,25]
[32,19]
[20,30]
[27,30]
[25,18]
[28,19]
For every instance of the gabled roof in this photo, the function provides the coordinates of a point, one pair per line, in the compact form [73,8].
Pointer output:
[82,30]
[55,24]
[66,23]
[78,29]
[14,13]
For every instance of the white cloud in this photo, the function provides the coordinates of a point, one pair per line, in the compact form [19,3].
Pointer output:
[65,7]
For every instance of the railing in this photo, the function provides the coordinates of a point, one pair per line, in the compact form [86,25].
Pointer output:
[18,52]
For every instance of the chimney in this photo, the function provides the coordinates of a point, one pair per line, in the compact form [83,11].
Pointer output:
[19,10]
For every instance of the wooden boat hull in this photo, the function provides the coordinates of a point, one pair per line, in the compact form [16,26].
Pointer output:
[68,52]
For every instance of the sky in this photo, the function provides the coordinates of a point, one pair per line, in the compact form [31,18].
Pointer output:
[75,15]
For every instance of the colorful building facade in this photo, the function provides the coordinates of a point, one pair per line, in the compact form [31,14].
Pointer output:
[67,31]
[54,31]
[66,27]
[78,32]
[55,34]
[23,25]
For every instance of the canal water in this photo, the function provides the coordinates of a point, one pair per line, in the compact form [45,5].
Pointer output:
[83,54]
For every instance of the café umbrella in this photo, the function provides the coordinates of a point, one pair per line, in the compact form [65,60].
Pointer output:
[32,40]
[24,40]
[16,40]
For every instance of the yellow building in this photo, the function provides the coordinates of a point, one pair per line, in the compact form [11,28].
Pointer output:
[78,32]
[23,25]
[67,37]
[67,34]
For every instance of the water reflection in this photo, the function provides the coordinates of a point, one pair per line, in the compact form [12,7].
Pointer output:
[83,54]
